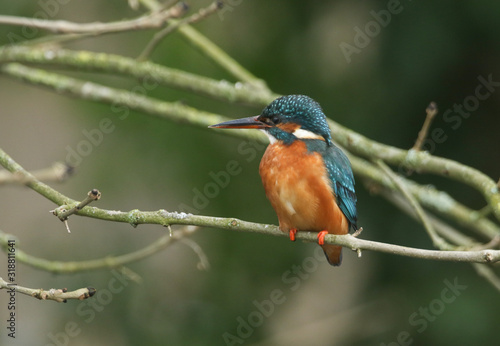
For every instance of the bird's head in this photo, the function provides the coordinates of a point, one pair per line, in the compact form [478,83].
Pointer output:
[286,119]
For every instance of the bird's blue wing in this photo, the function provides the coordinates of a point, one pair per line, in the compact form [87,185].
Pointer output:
[341,178]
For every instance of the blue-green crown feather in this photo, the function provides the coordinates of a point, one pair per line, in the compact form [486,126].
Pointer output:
[299,109]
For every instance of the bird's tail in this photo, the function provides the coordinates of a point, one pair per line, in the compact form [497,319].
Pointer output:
[333,254]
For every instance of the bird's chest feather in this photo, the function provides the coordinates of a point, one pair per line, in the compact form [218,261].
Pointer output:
[298,187]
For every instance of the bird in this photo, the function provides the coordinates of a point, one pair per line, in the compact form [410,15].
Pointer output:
[306,177]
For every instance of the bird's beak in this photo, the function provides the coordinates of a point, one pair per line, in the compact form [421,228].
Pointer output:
[243,123]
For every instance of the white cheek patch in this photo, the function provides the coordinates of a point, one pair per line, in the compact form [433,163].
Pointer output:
[272,139]
[306,134]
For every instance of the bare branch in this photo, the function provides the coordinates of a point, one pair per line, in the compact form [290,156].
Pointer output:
[57,172]
[60,267]
[111,63]
[431,112]
[63,214]
[58,295]
[152,20]
[437,241]
[158,37]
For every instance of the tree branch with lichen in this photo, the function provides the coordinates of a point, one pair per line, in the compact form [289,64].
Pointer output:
[60,295]
[68,267]
[165,218]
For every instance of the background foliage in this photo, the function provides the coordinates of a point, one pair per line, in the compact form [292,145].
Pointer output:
[428,52]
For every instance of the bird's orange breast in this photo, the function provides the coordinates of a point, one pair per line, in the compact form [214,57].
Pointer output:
[297,185]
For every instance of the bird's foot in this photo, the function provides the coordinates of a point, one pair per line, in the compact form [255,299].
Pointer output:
[292,233]
[321,237]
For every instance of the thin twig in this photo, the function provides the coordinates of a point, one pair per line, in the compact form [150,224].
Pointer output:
[159,36]
[63,214]
[421,161]
[442,228]
[57,172]
[203,264]
[438,242]
[431,112]
[150,21]
[68,267]
[487,273]
[213,52]
[58,295]
[428,196]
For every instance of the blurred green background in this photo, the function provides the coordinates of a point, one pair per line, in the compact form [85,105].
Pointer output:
[428,51]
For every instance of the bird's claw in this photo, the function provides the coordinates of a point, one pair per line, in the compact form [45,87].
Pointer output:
[292,233]
[321,237]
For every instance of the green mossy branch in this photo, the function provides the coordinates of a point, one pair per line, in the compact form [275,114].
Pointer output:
[165,218]
[144,71]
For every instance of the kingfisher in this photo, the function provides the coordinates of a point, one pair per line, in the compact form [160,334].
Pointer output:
[307,179]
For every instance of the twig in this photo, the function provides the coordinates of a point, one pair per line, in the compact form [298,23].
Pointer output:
[213,52]
[60,267]
[429,197]
[57,172]
[159,36]
[58,295]
[431,112]
[442,228]
[62,213]
[421,161]
[150,21]
[487,273]
[438,242]
[454,236]
[203,264]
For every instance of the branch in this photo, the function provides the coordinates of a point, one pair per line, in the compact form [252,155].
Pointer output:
[213,52]
[419,161]
[148,71]
[60,267]
[431,198]
[57,172]
[431,112]
[165,218]
[58,295]
[159,36]
[437,241]
[63,214]
[150,21]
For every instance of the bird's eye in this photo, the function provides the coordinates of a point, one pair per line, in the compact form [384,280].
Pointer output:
[275,120]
